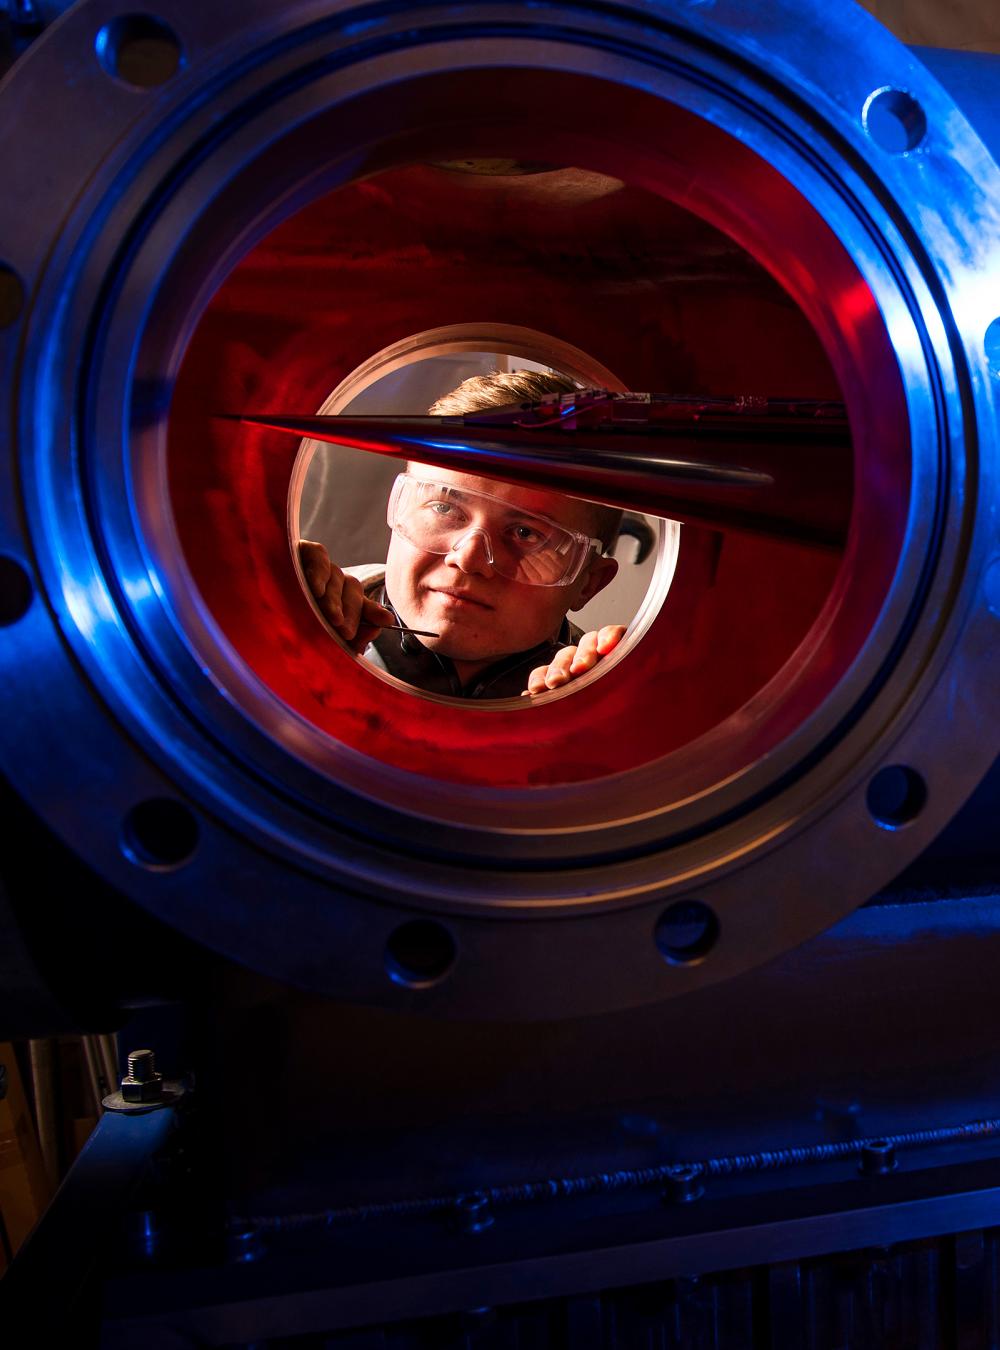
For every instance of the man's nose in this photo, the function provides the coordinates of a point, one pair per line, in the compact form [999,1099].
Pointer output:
[473,552]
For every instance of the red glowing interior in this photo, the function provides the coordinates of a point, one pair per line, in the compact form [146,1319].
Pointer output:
[719,279]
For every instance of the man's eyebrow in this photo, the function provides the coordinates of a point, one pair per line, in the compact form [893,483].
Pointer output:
[510,508]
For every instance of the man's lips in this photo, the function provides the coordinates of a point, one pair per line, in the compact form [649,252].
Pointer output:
[463,596]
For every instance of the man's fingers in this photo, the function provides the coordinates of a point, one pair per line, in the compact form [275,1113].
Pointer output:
[586,654]
[341,598]
[316,566]
[329,602]
[609,637]
[352,597]
[374,618]
[555,674]
[536,680]
[376,615]
[364,635]
[593,646]
[352,615]
[569,662]
[324,579]
[558,672]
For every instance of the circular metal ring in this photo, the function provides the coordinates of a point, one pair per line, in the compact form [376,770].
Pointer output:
[553,890]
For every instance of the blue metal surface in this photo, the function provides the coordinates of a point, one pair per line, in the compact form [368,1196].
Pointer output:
[415,1270]
[308,856]
[149,198]
[972,79]
[48,1291]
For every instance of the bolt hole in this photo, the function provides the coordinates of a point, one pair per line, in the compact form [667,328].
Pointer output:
[419,953]
[16,591]
[894,120]
[686,932]
[896,795]
[160,833]
[11,295]
[992,345]
[139,50]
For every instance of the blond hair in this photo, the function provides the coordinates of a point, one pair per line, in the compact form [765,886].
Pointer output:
[500,389]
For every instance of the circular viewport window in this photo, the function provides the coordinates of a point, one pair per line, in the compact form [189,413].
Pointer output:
[443,568]
[364,283]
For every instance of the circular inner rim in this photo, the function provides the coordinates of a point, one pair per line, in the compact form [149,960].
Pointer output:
[527,344]
[742,194]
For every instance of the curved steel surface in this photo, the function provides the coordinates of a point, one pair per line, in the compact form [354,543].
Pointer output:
[784,476]
[169,264]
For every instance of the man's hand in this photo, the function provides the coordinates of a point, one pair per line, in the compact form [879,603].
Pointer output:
[569,662]
[341,598]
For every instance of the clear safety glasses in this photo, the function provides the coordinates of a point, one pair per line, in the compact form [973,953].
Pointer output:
[442,517]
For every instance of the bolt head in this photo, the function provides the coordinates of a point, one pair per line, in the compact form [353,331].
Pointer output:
[474,1212]
[877,1158]
[137,1090]
[684,1183]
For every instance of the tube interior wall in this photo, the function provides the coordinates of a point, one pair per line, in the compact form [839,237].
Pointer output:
[643,285]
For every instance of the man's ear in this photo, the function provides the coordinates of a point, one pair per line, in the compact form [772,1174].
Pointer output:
[598,575]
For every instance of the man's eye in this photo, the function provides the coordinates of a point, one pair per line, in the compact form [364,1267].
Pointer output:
[525,534]
[441,508]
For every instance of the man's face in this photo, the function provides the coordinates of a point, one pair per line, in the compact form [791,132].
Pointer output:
[477,614]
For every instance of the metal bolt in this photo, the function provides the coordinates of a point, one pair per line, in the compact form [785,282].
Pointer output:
[877,1158]
[474,1212]
[142,1083]
[683,1183]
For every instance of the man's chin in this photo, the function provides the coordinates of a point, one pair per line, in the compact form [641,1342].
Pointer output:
[454,638]
[459,651]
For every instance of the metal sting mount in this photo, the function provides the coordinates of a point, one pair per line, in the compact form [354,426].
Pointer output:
[747,463]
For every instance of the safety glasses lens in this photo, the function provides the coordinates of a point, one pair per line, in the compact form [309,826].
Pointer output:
[522,547]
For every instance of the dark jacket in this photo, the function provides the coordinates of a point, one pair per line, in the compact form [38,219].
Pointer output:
[406,657]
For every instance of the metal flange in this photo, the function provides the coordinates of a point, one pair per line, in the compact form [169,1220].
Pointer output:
[277,832]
